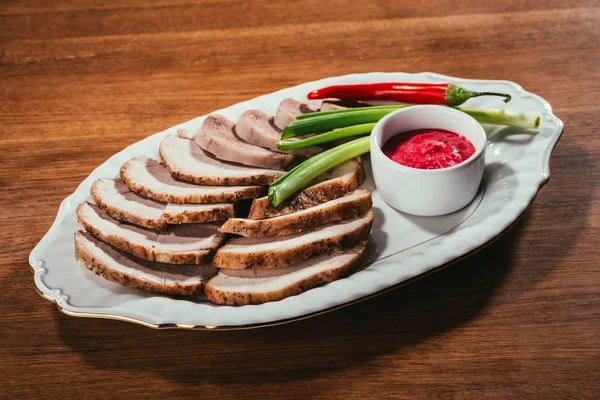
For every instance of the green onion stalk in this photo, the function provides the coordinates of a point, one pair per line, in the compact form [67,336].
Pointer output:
[329,120]
[341,133]
[514,119]
[304,173]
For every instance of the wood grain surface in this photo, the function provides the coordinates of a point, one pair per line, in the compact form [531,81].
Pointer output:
[81,80]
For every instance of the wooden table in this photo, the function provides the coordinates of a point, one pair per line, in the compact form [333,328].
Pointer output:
[79,81]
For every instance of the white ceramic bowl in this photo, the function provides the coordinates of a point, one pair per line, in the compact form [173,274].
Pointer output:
[427,192]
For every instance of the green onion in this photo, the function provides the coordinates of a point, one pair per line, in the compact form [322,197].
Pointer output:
[334,119]
[304,173]
[329,120]
[356,130]
[347,110]
[515,119]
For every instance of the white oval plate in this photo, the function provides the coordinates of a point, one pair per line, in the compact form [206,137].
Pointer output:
[402,247]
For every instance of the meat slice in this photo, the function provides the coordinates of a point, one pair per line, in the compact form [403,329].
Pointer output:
[289,109]
[343,179]
[256,286]
[116,266]
[180,244]
[217,136]
[123,204]
[149,178]
[269,252]
[348,206]
[332,106]
[257,127]
[196,213]
[186,134]
[186,161]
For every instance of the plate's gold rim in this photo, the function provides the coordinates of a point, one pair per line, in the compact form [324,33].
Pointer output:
[334,308]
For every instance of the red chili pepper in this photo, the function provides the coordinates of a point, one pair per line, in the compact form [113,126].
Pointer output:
[412,93]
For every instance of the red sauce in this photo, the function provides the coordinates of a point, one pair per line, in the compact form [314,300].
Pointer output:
[428,149]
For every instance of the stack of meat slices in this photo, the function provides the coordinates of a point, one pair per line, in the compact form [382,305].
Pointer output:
[317,236]
[287,254]
[153,232]
[159,227]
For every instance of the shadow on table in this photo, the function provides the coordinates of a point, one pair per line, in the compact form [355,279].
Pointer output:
[390,323]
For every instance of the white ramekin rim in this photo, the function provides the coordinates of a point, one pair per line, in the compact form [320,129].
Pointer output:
[376,145]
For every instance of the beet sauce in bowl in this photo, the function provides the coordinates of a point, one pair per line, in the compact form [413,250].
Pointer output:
[428,149]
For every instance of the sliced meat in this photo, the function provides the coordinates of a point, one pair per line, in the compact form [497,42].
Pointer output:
[289,109]
[343,179]
[334,105]
[196,213]
[186,161]
[348,206]
[123,204]
[217,136]
[149,178]
[269,252]
[331,106]
[257,127]
[180,244]
[186,134]
[256,286]
[116,266]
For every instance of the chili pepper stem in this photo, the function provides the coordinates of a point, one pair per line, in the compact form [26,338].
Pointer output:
[456,95]
[507,97]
